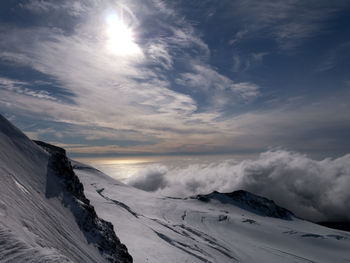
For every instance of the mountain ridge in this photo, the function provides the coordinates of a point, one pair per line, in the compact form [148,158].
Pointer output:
[44,214]
[249,201]
[42,194]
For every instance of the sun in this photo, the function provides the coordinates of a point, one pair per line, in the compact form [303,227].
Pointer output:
[120,37]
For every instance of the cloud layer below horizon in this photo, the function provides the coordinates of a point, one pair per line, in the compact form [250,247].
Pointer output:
[314,190]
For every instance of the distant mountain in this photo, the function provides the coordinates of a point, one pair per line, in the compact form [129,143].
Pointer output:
[44,214]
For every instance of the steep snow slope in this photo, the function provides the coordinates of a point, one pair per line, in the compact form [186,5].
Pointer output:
[234,227]
[44,215]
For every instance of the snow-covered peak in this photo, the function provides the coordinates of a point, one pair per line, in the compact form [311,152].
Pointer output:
[248,201]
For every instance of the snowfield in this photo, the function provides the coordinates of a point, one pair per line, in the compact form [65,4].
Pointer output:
[42,218]
[46,215]
[212,228]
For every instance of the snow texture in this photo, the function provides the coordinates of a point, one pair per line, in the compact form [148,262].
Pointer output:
[254,203]
[231,227]
[44,214]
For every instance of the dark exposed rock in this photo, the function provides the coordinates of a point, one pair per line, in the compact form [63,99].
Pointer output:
[96,230]
[250,221]
[251,202]
[345,226]
[223,218]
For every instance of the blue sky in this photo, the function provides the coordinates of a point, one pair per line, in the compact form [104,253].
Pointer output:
[105,78]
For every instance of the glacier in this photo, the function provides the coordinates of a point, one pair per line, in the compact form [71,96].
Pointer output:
[53,209]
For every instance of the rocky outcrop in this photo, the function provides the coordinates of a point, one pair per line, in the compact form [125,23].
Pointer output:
[251,202]
[96,230]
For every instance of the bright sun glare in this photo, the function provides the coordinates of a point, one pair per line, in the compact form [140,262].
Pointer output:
[120,36]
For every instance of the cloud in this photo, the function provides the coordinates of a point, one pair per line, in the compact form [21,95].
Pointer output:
[207,79]
[158,52]
[238,36]
[37,133]
[241,63]
[168,95]
[316,190]
[290,23]
[236,63]
[150,179]
[105,90]
[14,58]
[332,58]
[259,56]
[18,87]
[96,80]
[46,6]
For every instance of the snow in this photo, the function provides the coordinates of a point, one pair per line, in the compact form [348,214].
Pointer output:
[35,224]
[38,222]
[156,228]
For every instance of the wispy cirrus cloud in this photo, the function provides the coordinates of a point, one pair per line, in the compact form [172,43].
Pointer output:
[289,22]
[21,87]
[108,90]
[248,62]
[331,59]
[207,79]
[177,93]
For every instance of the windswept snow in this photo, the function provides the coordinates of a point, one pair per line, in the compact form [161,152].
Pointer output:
[45,217]
[38,216]
[246,229]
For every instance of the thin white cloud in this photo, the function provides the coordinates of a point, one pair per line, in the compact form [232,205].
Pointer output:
[126,94]
[236,63]
[241,63]
[45,6]
[207,79]
[259,56]
[19,88]
[35,135]
[109,91]
[246,90]
[14,58]
[238,37]
[331,59]
[158,52]
[290,22]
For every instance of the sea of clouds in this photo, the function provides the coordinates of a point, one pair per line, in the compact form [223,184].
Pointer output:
[314,190]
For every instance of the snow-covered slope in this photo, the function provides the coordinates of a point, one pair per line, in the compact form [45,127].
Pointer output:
[44,215]
[233,227]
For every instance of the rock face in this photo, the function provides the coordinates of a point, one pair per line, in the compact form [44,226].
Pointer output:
[96,230]
[251,202]
[345,226]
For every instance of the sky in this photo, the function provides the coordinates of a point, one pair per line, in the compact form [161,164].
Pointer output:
[138,77]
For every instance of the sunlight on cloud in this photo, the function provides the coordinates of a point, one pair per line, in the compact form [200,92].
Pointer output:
[316,190]
[120,36]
